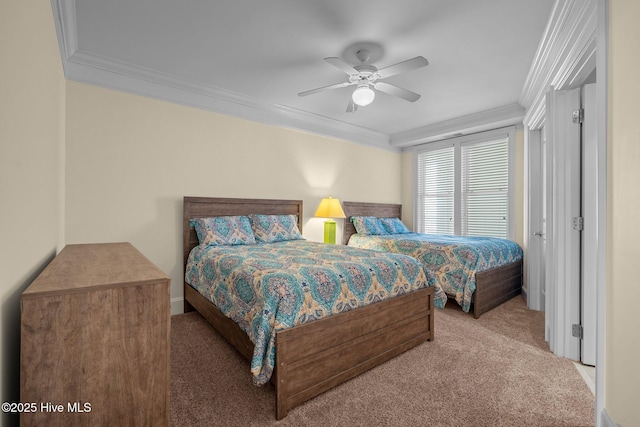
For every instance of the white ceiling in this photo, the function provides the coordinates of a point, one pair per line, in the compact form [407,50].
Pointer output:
[250,58]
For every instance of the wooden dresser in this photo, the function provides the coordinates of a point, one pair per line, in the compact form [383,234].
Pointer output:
[95,337]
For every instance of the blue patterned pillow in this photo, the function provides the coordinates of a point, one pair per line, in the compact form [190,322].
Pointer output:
[275,228]
[368,225]
[224,230]
[394,226]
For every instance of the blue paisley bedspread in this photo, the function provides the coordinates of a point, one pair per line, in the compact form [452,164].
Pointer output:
[268,287]
[451,261]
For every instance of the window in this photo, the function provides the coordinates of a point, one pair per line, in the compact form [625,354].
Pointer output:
[464,187]
[436,191]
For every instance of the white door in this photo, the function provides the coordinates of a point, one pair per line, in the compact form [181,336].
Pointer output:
[535,259]
[563,210]
[590,232]
[536,211]
[542,234]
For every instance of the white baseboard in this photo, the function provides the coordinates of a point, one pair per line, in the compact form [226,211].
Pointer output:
[177,306]
[585,376]
[606,420]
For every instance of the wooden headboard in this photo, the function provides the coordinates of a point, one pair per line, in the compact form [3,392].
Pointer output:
[381,210]
[203,207]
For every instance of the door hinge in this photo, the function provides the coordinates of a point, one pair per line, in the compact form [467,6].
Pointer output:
[578,115]
[578,223]
[577,331]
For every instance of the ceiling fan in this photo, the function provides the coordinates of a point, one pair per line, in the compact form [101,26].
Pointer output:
[366,77]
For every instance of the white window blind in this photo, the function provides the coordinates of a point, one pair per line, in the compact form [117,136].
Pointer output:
[485,189]
[463,185]
[435,204]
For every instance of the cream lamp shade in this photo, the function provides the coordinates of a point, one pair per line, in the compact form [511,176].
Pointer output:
[330,208]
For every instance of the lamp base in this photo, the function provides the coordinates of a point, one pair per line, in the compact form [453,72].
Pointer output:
[330,232]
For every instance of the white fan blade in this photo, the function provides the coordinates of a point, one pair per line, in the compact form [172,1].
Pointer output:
[320,89]
[401,67]
[351,106]
[341,65]
[396,91]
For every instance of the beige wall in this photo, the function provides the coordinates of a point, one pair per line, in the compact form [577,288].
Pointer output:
[408,188]
[519,214]
[622,346]
[31,148]
[130,160]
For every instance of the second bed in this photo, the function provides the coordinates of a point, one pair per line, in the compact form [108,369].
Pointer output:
[479,273]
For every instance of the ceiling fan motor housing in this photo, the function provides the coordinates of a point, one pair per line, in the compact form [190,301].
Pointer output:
[365,72]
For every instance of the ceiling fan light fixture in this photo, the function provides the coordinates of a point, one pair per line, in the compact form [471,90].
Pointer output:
[363,95]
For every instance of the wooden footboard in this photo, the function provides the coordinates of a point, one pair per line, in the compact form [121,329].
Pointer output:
[315,357]
[495,286]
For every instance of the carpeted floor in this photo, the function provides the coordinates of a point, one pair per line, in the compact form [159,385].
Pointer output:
[493,371]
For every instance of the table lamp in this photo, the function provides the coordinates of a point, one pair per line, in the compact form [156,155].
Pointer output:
[330,208]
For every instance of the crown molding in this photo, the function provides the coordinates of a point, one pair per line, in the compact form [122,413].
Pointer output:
[90,68]
[495,118]
[86,67]
[536,116]
[566,54]
[64,14]
[93,69]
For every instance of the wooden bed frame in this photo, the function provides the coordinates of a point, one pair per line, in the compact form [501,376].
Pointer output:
[314,357]
[493,287]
